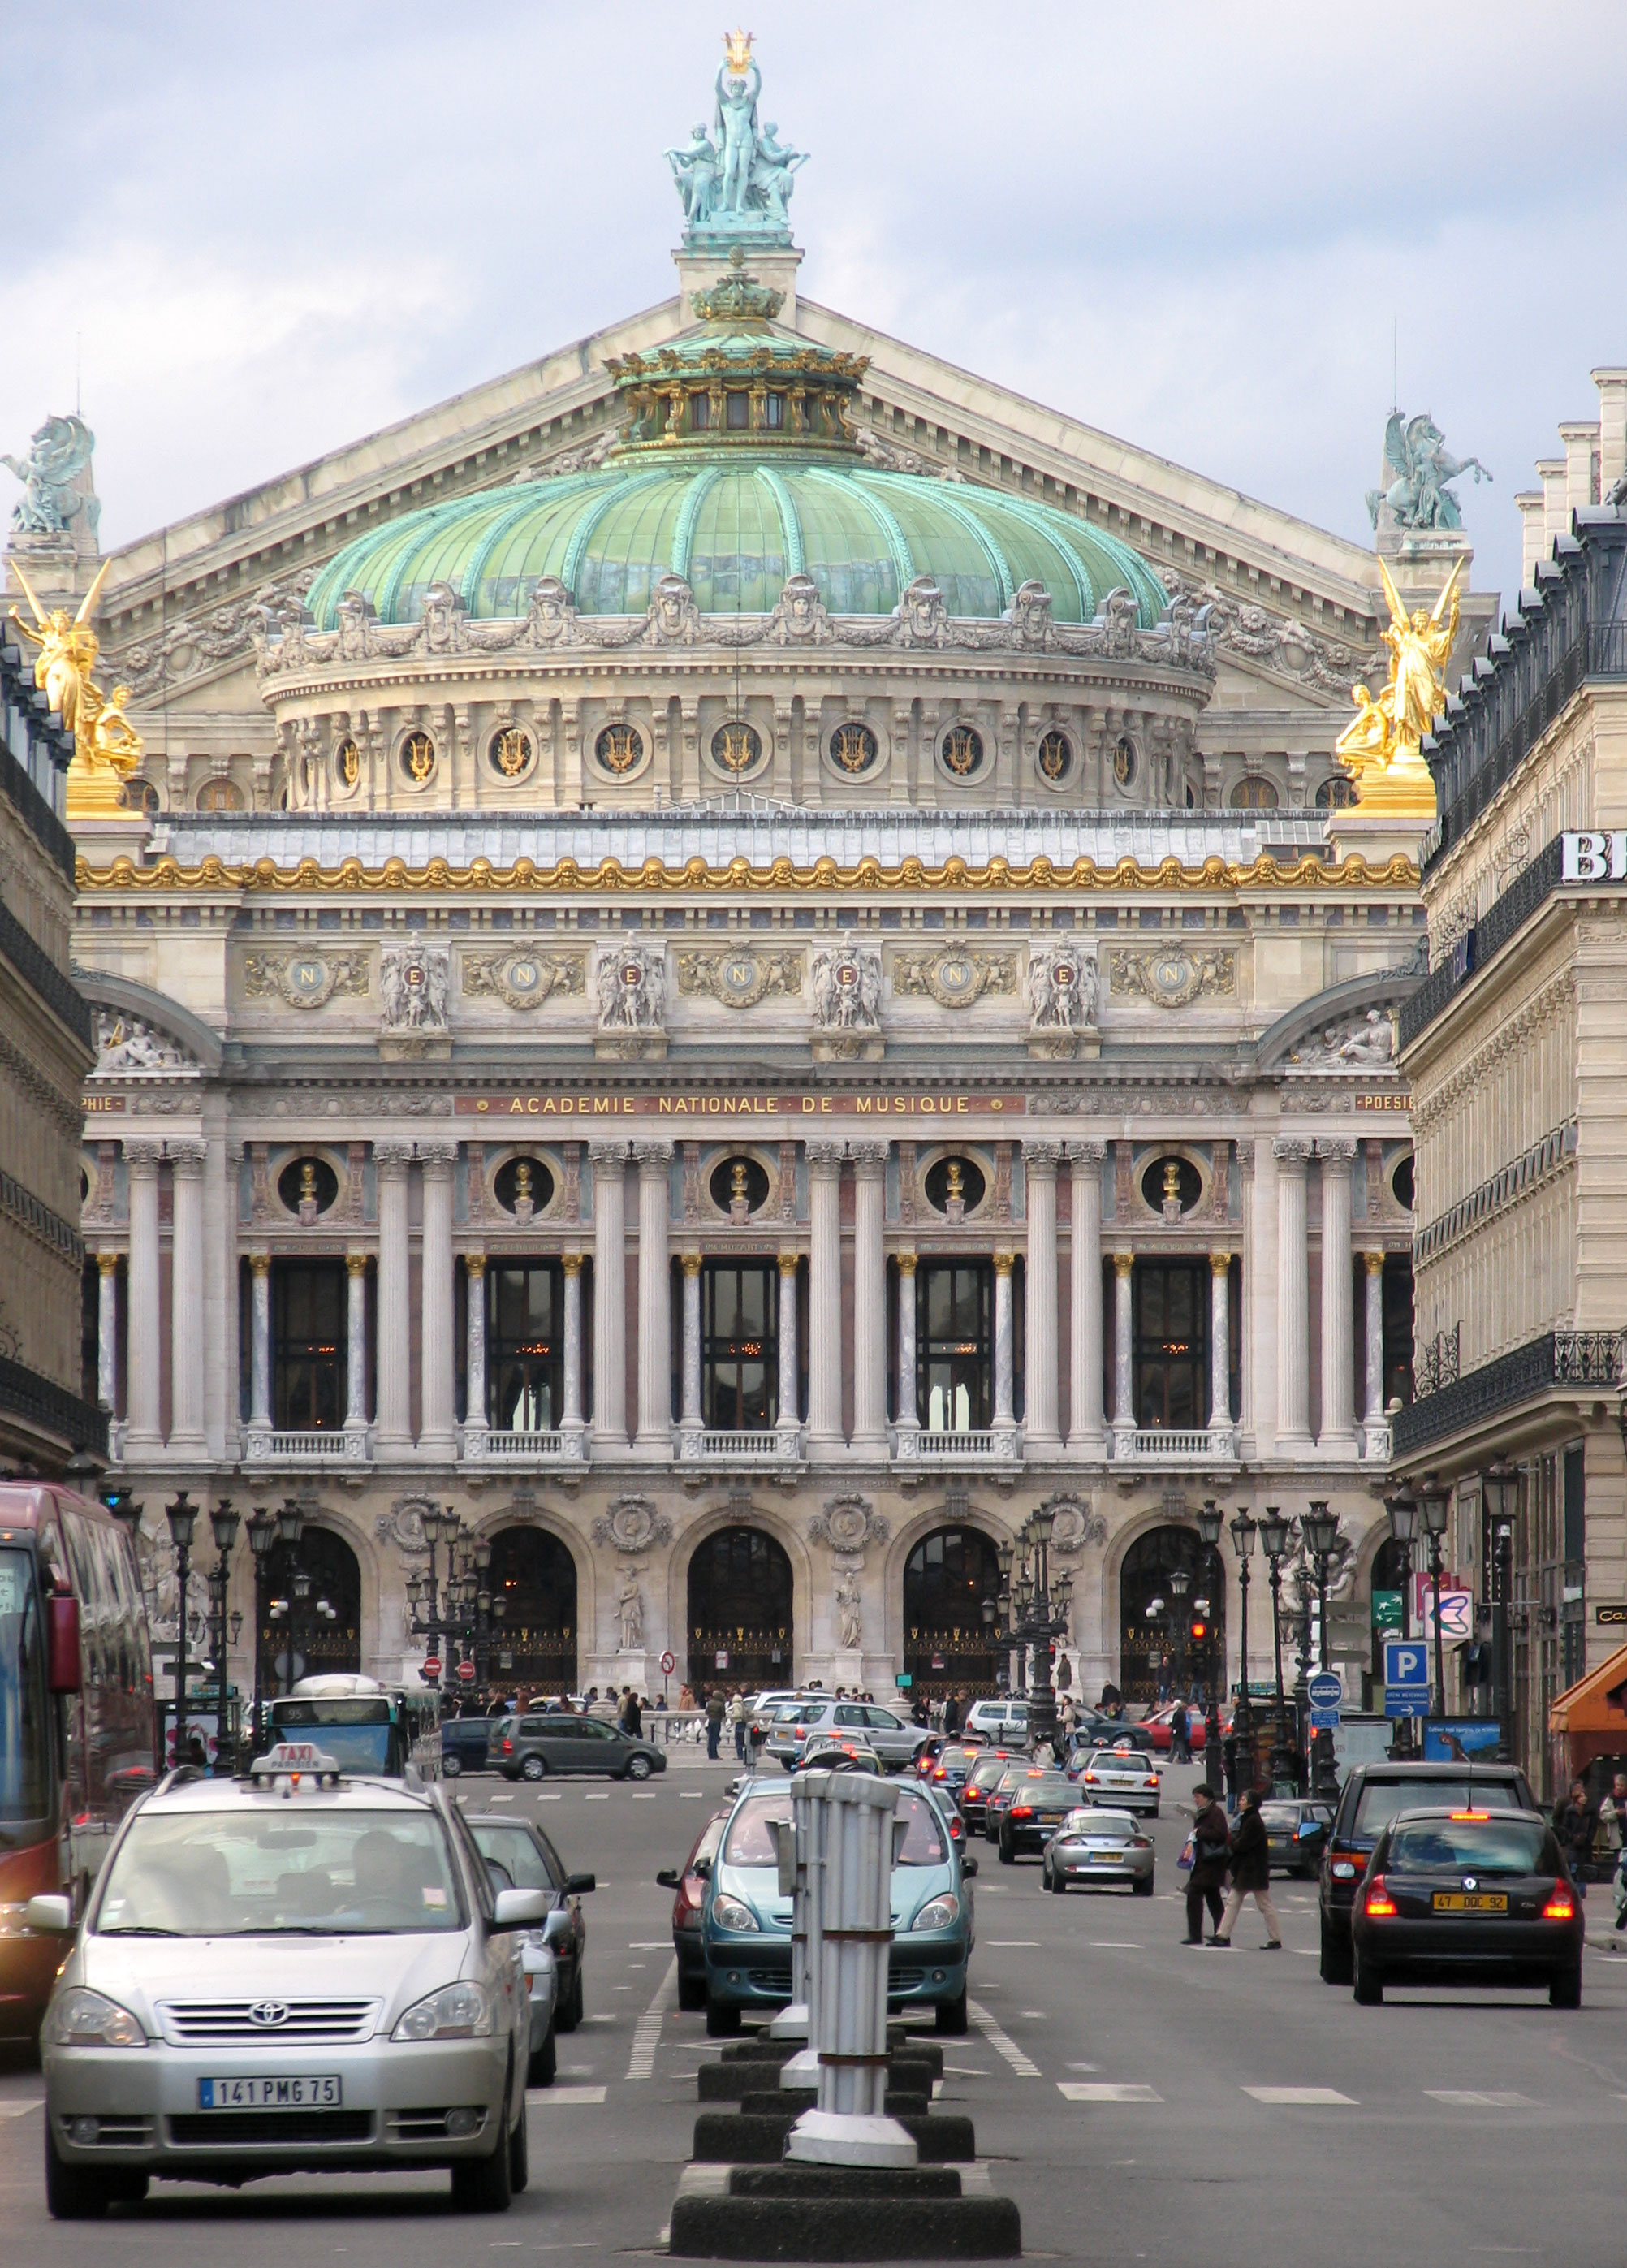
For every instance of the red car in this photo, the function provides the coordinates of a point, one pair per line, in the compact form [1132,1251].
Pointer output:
[1197,1730]
[690,1889]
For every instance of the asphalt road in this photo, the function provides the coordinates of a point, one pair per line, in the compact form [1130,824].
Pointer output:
[1142,2102]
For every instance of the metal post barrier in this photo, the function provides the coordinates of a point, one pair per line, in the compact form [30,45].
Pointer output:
[850,1877]
[793,1839]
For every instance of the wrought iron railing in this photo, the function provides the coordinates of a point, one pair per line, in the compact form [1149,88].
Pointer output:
[41,1402]
[1592,1358]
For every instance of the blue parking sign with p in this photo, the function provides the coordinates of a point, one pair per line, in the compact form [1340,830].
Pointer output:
[1406,1662]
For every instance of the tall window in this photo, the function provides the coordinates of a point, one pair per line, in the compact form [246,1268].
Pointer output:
[525,1353]
[308,1341]
[954,1337]
[1172,1343]
[739,1345]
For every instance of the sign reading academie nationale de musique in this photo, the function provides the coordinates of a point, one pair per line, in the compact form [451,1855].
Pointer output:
[565,1102]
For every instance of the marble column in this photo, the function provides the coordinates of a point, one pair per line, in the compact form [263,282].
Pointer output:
[1375,1427]
[824,1294]
[186,1435]
[260,1342]
[1337,1437]
[690,1424]
[1124,1351]
[356,1343]
[1220,1432]
[144,1436]
[609,1160]
[909,1406]
[869,1298]
[437,1433]
[1294,1319]
[1005,1420]
[789,1422]
[392,1391]
[1086,1432]
[571,1422]
[474,1418]
[655,1301]
[108,1331]
[1040,1432]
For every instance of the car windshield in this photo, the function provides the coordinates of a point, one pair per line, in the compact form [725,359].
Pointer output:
[1115,1825]
[1280,1814]
[924,1835]
[1380,1800]
[356,1733]
[516,1854]
[25,1717]
[1119,1760]
[1498,1846]
[251,1872]
[957,1759]
[748,1842]
[988,1773]
[1047,1788]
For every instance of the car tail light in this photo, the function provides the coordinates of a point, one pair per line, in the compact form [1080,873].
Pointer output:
[940,1773]
[1471,1815]
[1139,1842]
[1378,1904]
[1560,1907]
[508,1747]
[1022,1810]
[1345,1865]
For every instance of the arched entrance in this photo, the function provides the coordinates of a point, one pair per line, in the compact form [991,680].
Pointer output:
[740,1610]
[533,1646]
[1157,1620]
[311,1635]
[946,1578]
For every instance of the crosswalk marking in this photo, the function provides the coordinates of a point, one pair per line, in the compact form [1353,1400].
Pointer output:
[647,2031]
[562,2096]
[1474,2098]
[1298,2094]
[1115,1945]
[1096,2090]
[1002,2041]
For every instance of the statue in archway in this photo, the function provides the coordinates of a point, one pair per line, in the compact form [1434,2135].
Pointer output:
[849,1611]
[629,1608]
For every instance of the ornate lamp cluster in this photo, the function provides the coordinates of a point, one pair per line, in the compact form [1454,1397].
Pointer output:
[1032,1611]
[285,1586]
[225,1522]
[456,1606]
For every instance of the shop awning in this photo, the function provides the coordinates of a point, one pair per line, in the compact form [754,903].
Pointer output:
[1596,1703]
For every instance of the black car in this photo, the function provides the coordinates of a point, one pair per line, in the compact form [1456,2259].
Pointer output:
[535,1748]
[985,1774]
[532,1863]
[1296,1834]
[466,1740]
[1092,1730]
[1477,1895]
[1040,1801]
[1370,1798]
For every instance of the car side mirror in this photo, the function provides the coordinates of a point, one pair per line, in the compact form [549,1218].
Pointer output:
[703,1869]
[968,1864]
[519,1909]
[577,1884]
[667,1879]
[48,1916]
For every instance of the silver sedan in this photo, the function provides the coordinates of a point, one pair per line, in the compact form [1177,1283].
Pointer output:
[1094,1847]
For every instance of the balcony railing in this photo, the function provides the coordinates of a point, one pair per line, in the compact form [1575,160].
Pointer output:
[498,1444]
[999,1445]
[1164,1444]
[748,1446]
[1558,1359]
[319,1445]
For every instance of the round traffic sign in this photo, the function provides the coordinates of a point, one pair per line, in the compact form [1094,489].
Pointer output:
[466,1671]
[431,1666]
[669,1663]
[1326,1689]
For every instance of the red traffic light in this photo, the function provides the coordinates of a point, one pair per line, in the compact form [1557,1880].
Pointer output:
[1200,1630]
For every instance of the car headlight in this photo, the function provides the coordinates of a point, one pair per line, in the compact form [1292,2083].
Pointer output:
[457,2011]
[733,1913]
[84,2019]
[939,1914]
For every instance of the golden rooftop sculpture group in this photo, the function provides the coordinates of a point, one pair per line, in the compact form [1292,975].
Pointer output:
[107,747]
[1382,746]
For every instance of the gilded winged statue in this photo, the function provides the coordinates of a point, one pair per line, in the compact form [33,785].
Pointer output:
[1382,745]
[107,748]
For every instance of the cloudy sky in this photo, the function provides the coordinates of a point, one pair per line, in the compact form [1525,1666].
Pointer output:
[265,231]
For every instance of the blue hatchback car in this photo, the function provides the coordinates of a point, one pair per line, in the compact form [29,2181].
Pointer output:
[745,1924]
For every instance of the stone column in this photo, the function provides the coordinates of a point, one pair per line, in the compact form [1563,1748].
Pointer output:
[260,1342]
[571,1423]
[393,1394]
[1220,1433]
[1374,1425]
[824,1294]
[1085,1435]
[1042,1433]
[1337,1437]
[144,1436]
[908,1407]
[1293,1321]
[690,1424]
[1124,1349]
[438,1434]
[1004,1422]
[474,1420]
[356,1343]
[655,1301]
[107,1330]
[789,1423]
[185,1436]
[610,1298]
[869,1299]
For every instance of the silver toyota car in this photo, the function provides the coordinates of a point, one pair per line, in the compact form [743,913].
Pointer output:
[297,1972]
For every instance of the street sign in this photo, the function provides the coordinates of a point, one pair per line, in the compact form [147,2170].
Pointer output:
[903,1680]
[1406,1662]
[432,1664]
[1325,1720]
[1406,1701]
[669,1663]
[466,1671]
[1326,1689]
[1387,1609]
[1457,1609]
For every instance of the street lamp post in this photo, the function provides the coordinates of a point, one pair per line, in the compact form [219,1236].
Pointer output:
[1502,1487]
[262,1542]
[1179,1584]
[1436,1505]
[1210,1521]
[182,1515]
[1275,1533]
[1321,1530]
[224,1521]
[1404,1520]
[1244,1531]
[1033,1613]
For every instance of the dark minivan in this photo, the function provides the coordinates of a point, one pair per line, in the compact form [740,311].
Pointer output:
[535,1747]
[1370,1798]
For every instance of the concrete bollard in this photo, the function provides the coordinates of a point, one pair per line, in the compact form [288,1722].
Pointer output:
[850,1887]
[800,1849]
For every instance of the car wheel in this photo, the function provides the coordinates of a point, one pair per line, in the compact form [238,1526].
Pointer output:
[1564,1987]
[691,1994]
[544,2062]
[1142,1886]
[1008,1851]
[451,1767]
[534,1769]
[637,1768]
[485,2185]
[952,2015]
[72,2193]
[570,2016]
[1335,1958]
[1367,1980]
[723,2021]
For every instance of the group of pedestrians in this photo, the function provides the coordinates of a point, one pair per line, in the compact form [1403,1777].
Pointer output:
[1234,1853]
[1589,1832]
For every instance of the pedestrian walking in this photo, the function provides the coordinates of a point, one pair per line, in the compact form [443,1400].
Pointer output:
[1613,1815]
[1251,1874]
[717,1708]
[952,1714]
[632,1716]
[1576,1823]
[1212,1837]
[1179,1742]
[737,1719]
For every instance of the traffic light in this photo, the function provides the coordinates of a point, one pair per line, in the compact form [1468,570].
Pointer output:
[1200,1631]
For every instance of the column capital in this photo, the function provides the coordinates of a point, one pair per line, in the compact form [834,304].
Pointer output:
[260,1263]
[1292,1151]
[905,1262]
[1335,1151]
[107,1263]
[788,1264]
[1086,1154]
[143,1155]
[356,1264]
[571,1263]
[1124,1263]
[437,1158]
[474,1265]
[691,1263]
[1374,1262]
[187,1155]
[1219,1263]
[1041,1157]
[824,1158]
[391,1156]
[1004,1262]
[652,1157]
[869,1159]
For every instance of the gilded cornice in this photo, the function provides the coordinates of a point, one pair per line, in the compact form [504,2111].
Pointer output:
[654,877]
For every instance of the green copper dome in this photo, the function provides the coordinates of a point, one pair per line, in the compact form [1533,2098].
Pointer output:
[735,523]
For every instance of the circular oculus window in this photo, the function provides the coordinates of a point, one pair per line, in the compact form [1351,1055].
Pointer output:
[962,749]
[418,758]
[1056,758]
[854,749]
[518,1179]
[510,752]
[619,750]
[308,1181]
[737,1180]
[949,1179]
[737,748]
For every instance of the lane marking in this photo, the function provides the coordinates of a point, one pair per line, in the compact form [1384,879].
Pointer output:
[1116,1945]
[647,2031]
[21,2109]
[503,1799]
[1087,2090]
[643,1799]
[1008,1943]
[691,1795]
[1474,2098]
[1298,2094]
[555,1797]
[651,1945]
[1002,2041]
[596,1799]
[565,2095]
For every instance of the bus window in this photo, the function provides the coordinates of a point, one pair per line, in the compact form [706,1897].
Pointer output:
[361,1736]
[25,1720]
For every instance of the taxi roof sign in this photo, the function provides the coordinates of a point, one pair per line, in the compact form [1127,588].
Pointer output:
[290,1761]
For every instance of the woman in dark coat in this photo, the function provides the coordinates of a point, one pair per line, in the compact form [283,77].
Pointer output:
[1251,1874]
[1210,1833]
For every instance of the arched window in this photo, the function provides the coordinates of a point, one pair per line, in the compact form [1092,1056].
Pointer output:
[1336,794]
[1253,794]
[313,1606]
[1171,1638]
[946,1578]
[533,1646]
[219,795]
[740,1610]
